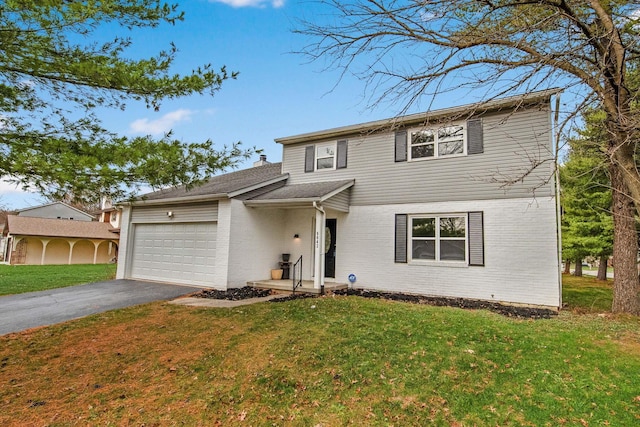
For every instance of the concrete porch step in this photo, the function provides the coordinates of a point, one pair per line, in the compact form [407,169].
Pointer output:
[287,286]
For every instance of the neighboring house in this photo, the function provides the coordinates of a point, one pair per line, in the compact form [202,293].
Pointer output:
[60,235]
[56,210]
[109,214]
[415,204]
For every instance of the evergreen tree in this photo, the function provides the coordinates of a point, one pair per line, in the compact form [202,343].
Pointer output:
[55,72]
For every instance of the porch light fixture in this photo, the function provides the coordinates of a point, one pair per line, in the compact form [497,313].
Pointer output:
[170,214]
[296,236]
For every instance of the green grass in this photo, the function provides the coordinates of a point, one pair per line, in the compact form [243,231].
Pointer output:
[586,294]
[329,361]
[15,279]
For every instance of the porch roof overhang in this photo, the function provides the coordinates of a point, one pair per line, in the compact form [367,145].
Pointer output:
[298,196]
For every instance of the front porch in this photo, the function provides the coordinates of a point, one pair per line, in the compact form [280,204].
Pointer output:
[287,286]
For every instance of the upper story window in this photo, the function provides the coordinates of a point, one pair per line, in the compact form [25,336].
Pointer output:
[325,156]
[446,141]
[438,142]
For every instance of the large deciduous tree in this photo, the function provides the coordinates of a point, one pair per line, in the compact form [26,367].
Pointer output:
[57,69]
[412,49]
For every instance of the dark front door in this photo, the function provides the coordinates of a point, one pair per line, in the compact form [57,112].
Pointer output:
[330,248]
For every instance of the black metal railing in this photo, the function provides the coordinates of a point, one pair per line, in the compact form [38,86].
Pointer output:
[296,274]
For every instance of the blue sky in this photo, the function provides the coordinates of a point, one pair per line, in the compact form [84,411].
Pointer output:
[277,93]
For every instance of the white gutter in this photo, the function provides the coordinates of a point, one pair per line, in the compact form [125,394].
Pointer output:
[488,106]
[199,198]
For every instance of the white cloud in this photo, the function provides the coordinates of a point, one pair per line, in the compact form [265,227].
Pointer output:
[162,125]
[250,3]
[13,197]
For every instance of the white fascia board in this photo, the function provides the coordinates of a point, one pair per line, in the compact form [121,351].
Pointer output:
[282,203]
[337,191]
[257,186]
[396,122]
[175,200]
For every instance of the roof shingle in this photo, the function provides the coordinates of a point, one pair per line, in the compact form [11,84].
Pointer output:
[312,190]
[222,184]
[30,226]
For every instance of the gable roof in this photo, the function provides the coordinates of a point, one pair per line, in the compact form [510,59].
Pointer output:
[300,195]
[226,185]
[47,227]
[459,112]
[87,214]
[314,191]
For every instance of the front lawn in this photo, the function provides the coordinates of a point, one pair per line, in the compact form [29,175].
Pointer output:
[16,279]
[323,362]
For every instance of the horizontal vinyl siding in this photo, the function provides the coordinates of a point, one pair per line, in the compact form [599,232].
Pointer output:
[201,212]
[339,202]
[520,253]
[511,141]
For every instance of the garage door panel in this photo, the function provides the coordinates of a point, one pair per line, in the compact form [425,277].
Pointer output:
[176,252]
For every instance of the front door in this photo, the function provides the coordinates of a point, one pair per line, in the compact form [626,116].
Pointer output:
[330,248]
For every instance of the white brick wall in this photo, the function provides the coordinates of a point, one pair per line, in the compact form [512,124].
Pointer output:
[521,264]
[124,258]
[256,243]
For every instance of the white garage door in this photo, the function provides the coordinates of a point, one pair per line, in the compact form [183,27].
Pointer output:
[179,253]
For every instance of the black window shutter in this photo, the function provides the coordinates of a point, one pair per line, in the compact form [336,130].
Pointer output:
[401,238]
[475,143]
[401,146]
[309,158]
[342,154]
[476,238]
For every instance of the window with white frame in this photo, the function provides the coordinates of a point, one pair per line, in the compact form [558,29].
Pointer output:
[325,156]
[438,237]
[437,142]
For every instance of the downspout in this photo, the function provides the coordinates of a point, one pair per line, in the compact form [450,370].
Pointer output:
[319,265]
[558,207]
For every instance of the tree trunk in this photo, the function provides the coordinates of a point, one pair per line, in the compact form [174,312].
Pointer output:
[578,270]
[626,286]
[567,266]
[602,268]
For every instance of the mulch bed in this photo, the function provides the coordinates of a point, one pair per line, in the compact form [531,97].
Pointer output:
[245,293]
[505,310]
[234,294]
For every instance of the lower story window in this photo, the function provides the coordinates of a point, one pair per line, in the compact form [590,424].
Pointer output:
[438,237]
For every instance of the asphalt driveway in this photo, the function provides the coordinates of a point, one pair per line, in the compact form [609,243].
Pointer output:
[24,311]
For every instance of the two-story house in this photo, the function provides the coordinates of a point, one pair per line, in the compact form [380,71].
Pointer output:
[446,203]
